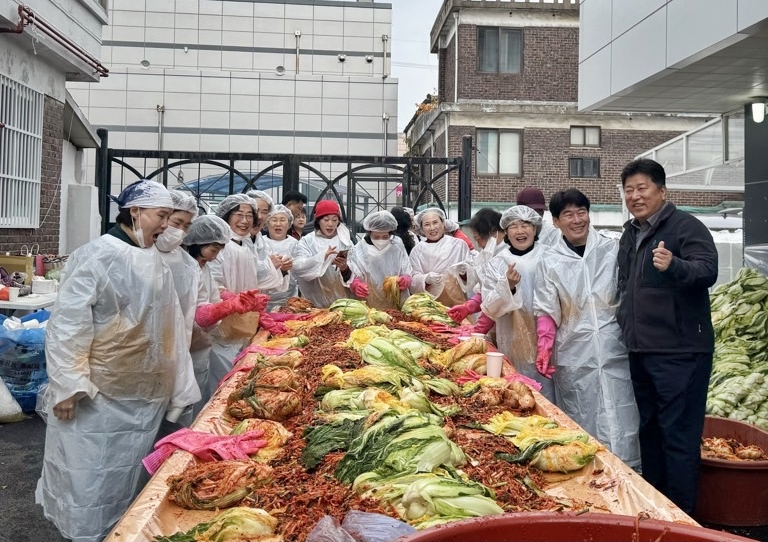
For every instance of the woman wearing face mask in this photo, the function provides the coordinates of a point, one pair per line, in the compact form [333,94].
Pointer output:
[439,260]
[508,292]
[279,222]
[235,270]
[380,255]
[320,258]
[489,237]
[112,355]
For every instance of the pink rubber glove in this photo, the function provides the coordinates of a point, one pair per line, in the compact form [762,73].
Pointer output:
[458,312]
[270,324]
[254,302]
[359,288]
[226,294]
[207,315]
[484,324]
[473,303]
[404,282]
[545,329]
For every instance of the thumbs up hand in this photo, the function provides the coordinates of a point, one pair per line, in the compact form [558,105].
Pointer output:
[662,257]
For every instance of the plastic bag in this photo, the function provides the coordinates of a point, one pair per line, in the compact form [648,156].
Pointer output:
[22,357]
[368,527]
[329,530]
[10,411]
[43,402]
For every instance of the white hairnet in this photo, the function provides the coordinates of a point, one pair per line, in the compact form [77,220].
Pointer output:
[258,194]
[144,193]
[234,201]
[183,201]
[208,229]
[409,211]
[520,212]
[380,221]
[282,210]
[420,217]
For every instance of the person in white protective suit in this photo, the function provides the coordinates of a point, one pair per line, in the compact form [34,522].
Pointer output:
[532,197]
[207,236]
[439,261]
[489,238]
[380,255]
[237,269]
[279,241]
[579,340]
[320,257]
[508,288]
[270,264]
[116,366]
[185,273]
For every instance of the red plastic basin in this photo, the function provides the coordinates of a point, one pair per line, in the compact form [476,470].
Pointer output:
[733,493]
[568,527]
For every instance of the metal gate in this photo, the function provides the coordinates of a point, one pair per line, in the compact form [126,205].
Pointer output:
[360,184]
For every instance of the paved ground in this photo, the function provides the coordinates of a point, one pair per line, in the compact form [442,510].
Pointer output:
[21,457]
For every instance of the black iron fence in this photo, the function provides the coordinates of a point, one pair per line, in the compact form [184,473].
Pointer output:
[360,184]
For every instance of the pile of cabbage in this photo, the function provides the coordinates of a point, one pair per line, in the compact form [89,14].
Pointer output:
[738,387]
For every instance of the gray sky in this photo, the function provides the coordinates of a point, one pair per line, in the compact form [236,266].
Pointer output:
[412,63]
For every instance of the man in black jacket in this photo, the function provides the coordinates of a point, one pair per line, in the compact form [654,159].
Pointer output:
[667,262]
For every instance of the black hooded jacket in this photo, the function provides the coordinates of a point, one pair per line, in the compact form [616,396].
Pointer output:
[667,312]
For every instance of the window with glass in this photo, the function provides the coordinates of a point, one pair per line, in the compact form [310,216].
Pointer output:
[585,136]
[499,50]
[584,167]
[499,152]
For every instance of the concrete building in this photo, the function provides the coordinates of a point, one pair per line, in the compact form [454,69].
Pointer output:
[278,76]
[508,77]
[702,56]
[43,45]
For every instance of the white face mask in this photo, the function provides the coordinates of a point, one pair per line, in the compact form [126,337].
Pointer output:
[381,244]
[139,232]
[170,239]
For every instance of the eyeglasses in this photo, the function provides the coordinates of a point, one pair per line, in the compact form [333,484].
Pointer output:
[248,217]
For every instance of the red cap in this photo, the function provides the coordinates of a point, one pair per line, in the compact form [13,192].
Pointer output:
[327,207]
[532,197]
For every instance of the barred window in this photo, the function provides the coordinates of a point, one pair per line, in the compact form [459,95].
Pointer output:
[21,149]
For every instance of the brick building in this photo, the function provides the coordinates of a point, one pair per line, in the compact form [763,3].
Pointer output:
[512,85]
[42,131]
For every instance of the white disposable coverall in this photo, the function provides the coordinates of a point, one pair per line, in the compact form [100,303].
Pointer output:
[284,247]
[111,341]
[208,293]
[549,235]
[592,380]
[515,323]
[479,259]
[267,275]
[442,257]
[319,280]
[372,266]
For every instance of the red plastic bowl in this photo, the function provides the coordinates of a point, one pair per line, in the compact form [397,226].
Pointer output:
[568,527]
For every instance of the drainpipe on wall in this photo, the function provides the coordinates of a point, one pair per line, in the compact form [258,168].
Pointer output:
[160,125]
[385,71]
[385,121]
[298,49]
[456,15]
[447,177]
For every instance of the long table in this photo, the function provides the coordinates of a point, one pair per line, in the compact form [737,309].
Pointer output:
[607,483]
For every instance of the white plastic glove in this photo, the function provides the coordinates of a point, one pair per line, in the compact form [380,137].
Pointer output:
[433,278]
[461,268]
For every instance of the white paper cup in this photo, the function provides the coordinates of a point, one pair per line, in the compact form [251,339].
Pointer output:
[463,338]
[493,361]
[13,294]
[478,335]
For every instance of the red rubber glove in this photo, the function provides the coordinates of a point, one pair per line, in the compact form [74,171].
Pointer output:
[404,282]
[270,324]
[226,294]
[253,301]
[458,312]
[208,315]
[484,324]
[545,329]
[359,288]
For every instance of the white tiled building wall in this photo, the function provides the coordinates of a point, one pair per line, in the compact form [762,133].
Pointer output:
[214,66]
